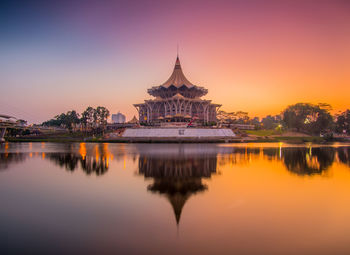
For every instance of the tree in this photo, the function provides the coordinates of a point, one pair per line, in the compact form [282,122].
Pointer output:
[71,119]
[242,117]
[256,122]
[57,121]
[67,120]
[342,124]
[95,118]
[102,114]
[309,118]
[270,122]
[88,117]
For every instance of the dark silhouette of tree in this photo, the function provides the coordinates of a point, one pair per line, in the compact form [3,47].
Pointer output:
[342,124]
[88,118]
[91,119]
[102,114]
[304,117]
[271,122]
[67,120]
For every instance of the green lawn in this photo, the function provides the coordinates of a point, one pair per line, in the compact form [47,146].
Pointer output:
[262,132]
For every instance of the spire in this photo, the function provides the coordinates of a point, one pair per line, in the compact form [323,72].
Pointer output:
[177,78]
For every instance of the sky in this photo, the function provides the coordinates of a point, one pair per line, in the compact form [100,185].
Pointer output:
[253,56]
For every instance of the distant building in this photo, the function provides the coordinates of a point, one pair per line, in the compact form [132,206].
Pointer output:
[118,118]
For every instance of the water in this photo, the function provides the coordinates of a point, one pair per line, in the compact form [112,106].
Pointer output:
[174,199]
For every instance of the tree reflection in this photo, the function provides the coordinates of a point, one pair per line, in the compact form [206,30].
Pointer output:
[7,159]
[89,164]
[177,177]
[308,161]
[237,155]
[344,155]
[298,160]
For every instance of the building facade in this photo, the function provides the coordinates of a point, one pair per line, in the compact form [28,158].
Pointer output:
[177,100]
[118,118]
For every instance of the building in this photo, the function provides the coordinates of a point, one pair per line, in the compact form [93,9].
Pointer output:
[177,100]
[118,118]
[133,120]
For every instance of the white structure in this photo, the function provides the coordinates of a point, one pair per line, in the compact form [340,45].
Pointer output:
[118,118]
[178,133]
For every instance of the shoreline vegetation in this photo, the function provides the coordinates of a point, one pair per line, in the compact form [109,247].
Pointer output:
[248,136]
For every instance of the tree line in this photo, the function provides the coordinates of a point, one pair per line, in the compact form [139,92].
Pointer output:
[92,119]
[308,118]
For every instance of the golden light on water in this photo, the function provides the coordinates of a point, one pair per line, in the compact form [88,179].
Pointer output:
[6,149]
[273,192]
[82,150]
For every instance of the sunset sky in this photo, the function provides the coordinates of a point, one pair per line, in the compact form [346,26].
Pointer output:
[254,56]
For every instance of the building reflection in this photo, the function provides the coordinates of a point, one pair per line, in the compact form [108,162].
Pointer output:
[177,177]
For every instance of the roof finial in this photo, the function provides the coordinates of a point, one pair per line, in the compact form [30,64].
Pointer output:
[177,51]
[177,63]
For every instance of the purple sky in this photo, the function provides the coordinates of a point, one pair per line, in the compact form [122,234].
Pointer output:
[255,56]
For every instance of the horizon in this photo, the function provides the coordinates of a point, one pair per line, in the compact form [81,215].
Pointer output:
[257,57]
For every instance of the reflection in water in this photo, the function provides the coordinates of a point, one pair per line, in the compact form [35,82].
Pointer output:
[71,162]
[344,155]
[260,204]
[10,158]
[177,177]
[95,158]
[308,161]
[298,160]
[97,161]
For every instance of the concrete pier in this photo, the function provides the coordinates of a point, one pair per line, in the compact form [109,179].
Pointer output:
[178,134]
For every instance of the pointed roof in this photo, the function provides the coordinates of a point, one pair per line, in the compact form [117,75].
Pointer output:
[134,120]
[178,96]
[177,78]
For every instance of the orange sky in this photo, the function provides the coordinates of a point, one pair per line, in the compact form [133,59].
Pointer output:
[254,56]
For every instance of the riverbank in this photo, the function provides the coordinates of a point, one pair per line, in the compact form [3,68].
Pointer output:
[285,139]
[251,136]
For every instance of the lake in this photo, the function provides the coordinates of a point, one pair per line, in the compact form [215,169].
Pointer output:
[86,198]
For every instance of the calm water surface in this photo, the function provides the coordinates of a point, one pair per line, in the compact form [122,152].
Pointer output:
[174,199]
